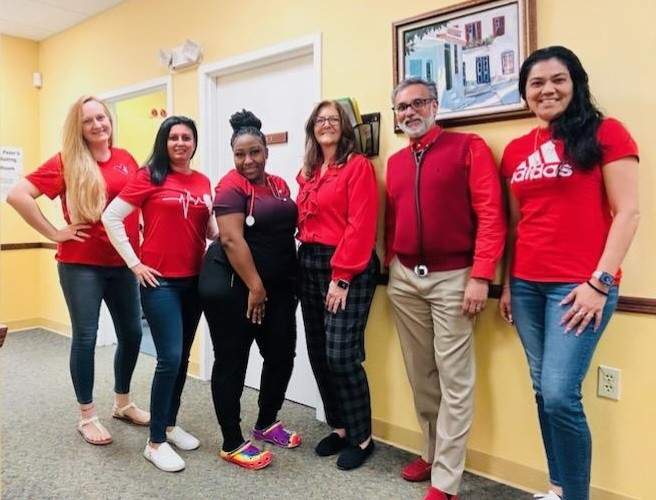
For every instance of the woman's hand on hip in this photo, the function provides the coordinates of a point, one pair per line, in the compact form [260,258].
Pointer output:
[336,297]
[587,304]
[146,276]
[256,303]
[504,305]
[71,232]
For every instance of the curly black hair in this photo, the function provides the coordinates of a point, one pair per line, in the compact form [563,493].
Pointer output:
[246,123]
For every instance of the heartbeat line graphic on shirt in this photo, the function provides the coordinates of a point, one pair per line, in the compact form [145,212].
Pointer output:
[543,163]
[185,199]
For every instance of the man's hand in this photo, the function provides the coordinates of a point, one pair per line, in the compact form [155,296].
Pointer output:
[475,296]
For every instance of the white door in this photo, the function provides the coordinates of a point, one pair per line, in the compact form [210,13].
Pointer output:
[282,95]
[135,128]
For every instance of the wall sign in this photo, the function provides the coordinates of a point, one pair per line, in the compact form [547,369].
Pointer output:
[11,168]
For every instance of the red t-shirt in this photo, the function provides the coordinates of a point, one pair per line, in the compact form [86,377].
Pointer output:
[564,212]
[340,209]
[175,218]
[97,249]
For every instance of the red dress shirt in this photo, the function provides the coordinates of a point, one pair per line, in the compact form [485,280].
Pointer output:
[340,209]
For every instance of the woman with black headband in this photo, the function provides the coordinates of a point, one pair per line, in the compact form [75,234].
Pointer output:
[247,288]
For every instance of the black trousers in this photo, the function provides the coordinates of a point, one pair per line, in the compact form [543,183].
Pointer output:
[335,342]
[224,298]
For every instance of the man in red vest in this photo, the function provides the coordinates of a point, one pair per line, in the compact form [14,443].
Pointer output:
[445,232]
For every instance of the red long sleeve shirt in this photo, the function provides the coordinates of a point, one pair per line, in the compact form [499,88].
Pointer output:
[340,209]
[446,243]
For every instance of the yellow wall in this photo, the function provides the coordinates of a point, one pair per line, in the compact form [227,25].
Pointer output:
[19,127]
[135,129]
[19,119]
[610,37]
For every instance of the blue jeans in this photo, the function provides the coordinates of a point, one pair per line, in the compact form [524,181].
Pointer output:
[558,363]
[85,287]
[173,311]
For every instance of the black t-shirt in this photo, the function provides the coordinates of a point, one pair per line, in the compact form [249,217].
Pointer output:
[271,236]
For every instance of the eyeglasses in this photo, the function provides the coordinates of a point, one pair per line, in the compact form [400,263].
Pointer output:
[415,104]
[332,120]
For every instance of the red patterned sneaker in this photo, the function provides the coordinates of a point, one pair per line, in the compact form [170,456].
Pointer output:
[434,493]
[248,456]
[417,470]
[278,435]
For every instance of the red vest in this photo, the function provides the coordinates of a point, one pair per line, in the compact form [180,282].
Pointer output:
[443,237]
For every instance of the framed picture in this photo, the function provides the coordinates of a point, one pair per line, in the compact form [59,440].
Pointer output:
[473,52]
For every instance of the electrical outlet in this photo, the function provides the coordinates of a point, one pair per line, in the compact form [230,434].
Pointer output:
[608,382]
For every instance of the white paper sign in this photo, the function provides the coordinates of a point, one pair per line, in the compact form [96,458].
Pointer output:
[11,168]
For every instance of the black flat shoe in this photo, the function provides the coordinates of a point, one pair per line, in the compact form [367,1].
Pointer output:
[353,456]
[330,445]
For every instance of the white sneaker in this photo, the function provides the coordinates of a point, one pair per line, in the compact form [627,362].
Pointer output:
[182,439]
[164,458]
[549,495]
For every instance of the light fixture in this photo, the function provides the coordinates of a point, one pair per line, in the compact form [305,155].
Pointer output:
[181,57]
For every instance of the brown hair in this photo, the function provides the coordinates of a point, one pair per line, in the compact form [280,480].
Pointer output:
[313,157]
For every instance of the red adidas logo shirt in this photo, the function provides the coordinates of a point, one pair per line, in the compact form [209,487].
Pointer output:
[564,211]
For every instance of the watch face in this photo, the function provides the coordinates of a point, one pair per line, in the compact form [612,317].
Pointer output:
[342,284]
[607,279]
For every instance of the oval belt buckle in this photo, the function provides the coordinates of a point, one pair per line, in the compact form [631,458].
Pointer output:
[421,270]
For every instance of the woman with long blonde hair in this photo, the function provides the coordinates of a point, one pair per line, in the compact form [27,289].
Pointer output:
[86,175]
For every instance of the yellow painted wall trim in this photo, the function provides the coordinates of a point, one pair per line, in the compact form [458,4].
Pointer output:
[523,477]
[47,324]
[483,464]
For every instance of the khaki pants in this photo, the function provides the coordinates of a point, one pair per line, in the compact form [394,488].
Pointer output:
[437,344]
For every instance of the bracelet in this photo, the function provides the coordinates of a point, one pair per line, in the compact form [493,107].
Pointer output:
[599,290]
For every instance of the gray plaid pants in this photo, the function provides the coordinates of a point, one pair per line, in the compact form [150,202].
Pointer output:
[335,342]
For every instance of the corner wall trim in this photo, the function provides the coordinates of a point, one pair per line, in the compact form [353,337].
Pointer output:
[28,246]
[640,305]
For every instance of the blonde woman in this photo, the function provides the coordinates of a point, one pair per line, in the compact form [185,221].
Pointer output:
[86,175]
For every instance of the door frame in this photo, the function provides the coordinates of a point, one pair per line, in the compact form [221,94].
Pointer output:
[111,97]
[141,88]
[208,101]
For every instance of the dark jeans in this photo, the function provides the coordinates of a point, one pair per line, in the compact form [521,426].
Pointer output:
[558,363]
[224,297]
[85,287]
[173,311]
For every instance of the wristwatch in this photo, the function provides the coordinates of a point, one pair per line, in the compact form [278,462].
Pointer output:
[343,284]
[604,278]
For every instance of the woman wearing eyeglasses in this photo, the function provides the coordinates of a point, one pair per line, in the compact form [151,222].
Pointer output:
[247,288]
[338,208]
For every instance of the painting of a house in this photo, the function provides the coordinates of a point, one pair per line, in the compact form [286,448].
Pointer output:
[473,57]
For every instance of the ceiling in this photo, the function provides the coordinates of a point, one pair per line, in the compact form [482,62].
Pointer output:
[39,19]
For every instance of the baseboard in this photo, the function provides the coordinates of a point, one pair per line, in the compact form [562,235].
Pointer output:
[193,370]
[483,464]
[27,324]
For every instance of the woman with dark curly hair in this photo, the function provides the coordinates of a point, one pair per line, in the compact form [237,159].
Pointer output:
[338,204]
[247,288]
[573,197]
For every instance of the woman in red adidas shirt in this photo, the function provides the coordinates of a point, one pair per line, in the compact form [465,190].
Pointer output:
[573,197]
[175,202]
[87,174]
[338,205]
